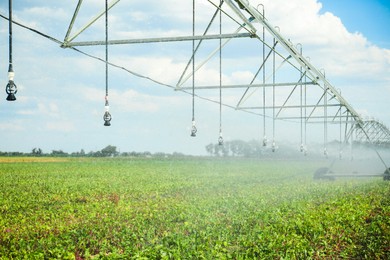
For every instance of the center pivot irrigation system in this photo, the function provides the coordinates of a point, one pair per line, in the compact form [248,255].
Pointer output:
[285,86]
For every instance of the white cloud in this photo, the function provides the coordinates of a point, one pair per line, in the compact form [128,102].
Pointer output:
[46,12]
[241,76]
[326,40]
[33,106]
[132,101]
[49,109]
[10,127]
[165,69]
[60,126]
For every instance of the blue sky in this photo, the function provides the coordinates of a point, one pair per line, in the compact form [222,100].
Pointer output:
[60,102]
[371,18]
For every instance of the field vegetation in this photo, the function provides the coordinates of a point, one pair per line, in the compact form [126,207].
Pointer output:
[187,208]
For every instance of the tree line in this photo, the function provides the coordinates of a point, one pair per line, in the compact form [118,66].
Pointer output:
[108,151]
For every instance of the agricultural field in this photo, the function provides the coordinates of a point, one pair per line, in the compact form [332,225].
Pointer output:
[187,208]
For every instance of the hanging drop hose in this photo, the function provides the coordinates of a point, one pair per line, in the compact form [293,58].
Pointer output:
[273,101]
[106,46]
[302,147]
[107,116]
[325,123]
[305,112]
[220,138]
[11,88]
[10,33]
[193,129]
[340,133]
[265,141]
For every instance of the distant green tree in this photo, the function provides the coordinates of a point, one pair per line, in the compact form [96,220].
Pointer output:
[225,149]
[109,151]
[218,149]
[240,148]
[58,153]
[36,151]
[210,148]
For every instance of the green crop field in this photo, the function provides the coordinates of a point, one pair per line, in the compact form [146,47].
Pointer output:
[189,208]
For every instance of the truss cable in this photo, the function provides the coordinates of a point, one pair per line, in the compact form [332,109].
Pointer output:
[193,129]
[36,31]
[107,116]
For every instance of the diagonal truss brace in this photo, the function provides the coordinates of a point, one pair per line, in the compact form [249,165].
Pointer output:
[308,67]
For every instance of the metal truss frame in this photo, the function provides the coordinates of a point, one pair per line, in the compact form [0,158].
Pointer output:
[284,100]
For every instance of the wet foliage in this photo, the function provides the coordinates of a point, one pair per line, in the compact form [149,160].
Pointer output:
[188,209]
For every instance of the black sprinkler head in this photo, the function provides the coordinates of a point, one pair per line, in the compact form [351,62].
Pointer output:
[11,90]
[220,140]
[265,141]
[11,97]
[193,129]
[107,118]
